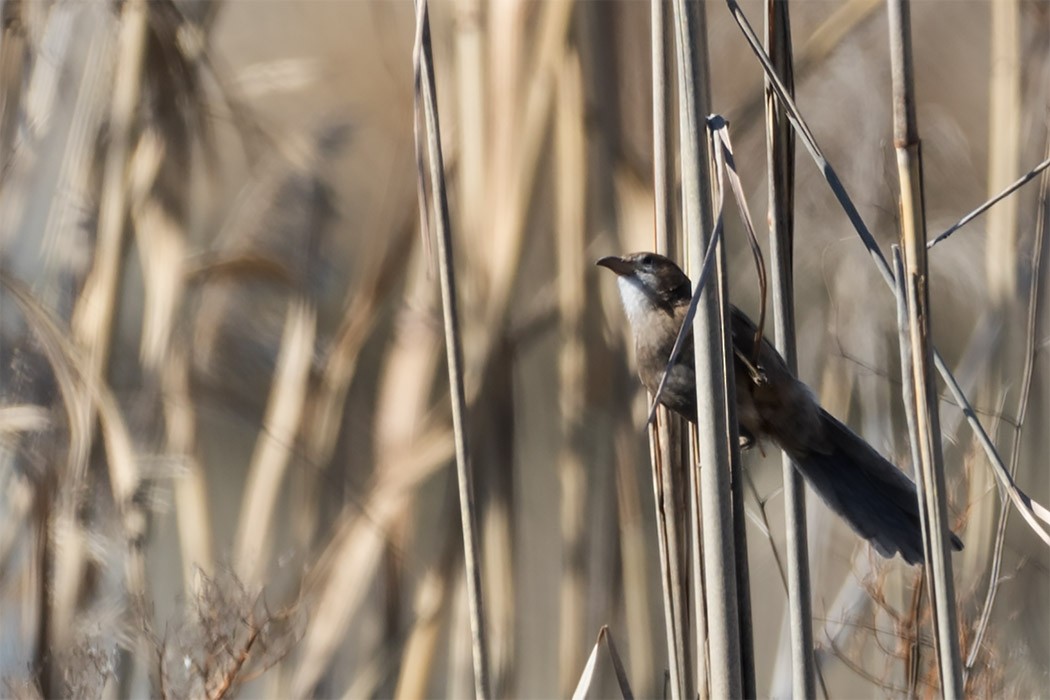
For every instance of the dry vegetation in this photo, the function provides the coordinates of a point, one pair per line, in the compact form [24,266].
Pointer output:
[226,447]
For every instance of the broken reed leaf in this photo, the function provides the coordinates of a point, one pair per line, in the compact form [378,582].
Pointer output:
[722,141]
[587,677]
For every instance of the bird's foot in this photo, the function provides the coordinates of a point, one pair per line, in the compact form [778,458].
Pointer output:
[755,371]
[749,442]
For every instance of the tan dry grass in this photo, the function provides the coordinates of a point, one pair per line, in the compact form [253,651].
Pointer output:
[373,428]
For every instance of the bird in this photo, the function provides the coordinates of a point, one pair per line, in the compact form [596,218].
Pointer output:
[869,492]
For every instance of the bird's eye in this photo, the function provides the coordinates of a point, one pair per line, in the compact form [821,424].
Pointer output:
[647,260]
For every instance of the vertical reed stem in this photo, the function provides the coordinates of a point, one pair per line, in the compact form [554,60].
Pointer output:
[571,228]
[454,348]
[922,411]
[780,152]
[1004,147]
[663,135]
[668,463]
[714,380]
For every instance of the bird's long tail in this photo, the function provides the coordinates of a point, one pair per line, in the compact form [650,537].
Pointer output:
[875,497]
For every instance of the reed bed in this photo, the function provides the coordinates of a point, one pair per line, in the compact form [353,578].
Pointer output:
[233,459]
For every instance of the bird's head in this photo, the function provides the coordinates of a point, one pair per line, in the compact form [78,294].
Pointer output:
[648,282]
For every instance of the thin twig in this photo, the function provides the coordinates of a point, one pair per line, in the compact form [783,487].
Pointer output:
[1010,189]
[762,520]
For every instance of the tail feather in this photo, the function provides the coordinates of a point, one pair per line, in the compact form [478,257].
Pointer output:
[876,498]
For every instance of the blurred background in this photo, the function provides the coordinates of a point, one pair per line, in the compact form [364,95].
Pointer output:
[225,434]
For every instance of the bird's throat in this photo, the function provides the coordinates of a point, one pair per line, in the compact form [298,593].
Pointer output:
[637,300]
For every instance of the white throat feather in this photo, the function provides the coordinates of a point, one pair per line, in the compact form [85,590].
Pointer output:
[636,301]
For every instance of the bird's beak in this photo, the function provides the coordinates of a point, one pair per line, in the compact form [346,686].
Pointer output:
[617,265]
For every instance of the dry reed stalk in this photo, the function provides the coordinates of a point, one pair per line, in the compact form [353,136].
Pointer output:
[512,141]
[96,308]
[920,391]
[367,679]
[971,368]
[743,576]
[1034,513]
[23,418]
[780,153]
[1004,147]
[593,39]
[634,208]
[667,243]
[84,395]
[682,517]
[838,390]
[714,379]
[274,446]
[325,410]
[93,319]
[634,561]
[409,449]
[944,611]
[426,102]
[668,434]
[191,488]
[837,386]
[493,422]
[1000,254]
[161,246]
[37,111]
[570,153]
[472,97]
[1036,273]
[669,523]
[75,185]
[18,504]
[519,135]
[161,249]
[401,409]
[493,241]
[459,668]
[12,60]
[506,63]
[56,573]
[346,566]
[431,605]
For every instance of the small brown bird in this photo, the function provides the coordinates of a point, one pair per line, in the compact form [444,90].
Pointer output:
[875,497]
